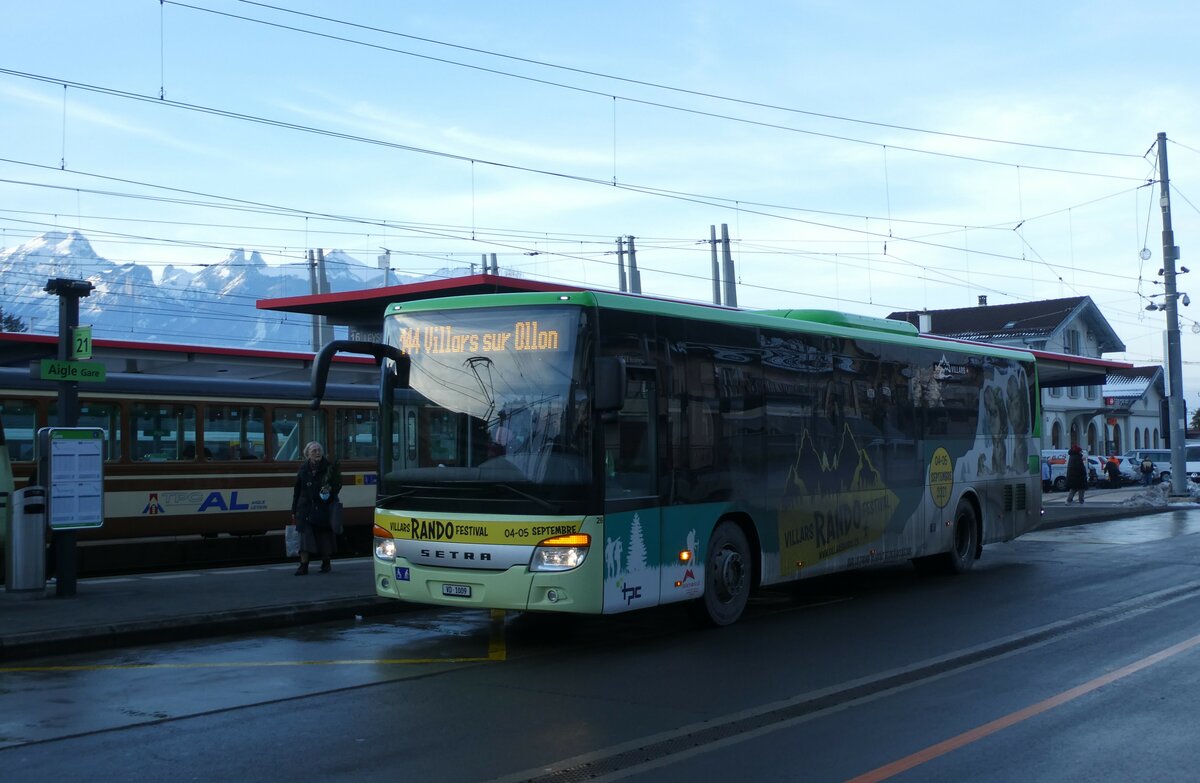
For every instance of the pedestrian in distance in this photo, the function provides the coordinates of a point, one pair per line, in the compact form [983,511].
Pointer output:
[1147,471]
[1046,485]
[1113,469]
[1076,474]
[318,483]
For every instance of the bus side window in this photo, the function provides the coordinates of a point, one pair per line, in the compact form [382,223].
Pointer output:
[629,458]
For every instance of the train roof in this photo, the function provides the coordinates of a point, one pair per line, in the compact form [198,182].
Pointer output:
[121,384]
[199,361]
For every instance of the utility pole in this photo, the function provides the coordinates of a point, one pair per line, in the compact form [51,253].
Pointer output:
[622,286]
[323,279]
[635,277]
[385,263]
[312,289]
[716,266]
[1175,407]
[730,279]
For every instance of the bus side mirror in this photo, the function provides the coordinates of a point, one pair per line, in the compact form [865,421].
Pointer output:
[610,384]
[320,368]
[400,369]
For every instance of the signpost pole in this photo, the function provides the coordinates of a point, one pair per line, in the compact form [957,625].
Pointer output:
[69,293]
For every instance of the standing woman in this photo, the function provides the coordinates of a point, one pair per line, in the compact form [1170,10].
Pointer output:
[1076,473]
[317,486]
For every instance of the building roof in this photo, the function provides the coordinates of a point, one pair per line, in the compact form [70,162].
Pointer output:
[1020,323]
[1133,382]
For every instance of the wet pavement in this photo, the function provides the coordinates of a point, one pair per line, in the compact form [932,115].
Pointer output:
[109,612]
[151,608]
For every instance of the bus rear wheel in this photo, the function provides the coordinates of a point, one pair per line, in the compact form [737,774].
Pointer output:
[727,576]
[966,545]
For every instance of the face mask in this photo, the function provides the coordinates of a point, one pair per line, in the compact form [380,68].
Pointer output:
[324,496]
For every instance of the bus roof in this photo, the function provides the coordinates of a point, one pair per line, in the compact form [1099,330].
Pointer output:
[825,322]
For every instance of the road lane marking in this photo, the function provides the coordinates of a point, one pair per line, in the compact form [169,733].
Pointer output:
[974,735]
[659,750]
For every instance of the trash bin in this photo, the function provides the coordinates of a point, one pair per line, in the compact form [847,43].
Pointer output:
[25,543]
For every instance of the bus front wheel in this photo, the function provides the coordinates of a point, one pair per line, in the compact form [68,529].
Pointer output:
[727,576]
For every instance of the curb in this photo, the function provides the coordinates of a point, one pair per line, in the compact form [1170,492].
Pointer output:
[1056,517]
[70,640]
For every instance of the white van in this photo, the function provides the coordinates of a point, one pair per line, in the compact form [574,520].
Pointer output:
[1191,456]
[1058,468]
[1131,462]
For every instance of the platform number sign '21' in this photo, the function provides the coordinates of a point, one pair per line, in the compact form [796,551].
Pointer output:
[81,342]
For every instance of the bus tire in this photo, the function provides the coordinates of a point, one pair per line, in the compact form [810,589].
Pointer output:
[727,576]
[963,553]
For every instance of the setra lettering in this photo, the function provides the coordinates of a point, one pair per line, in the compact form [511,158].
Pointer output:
[452,554]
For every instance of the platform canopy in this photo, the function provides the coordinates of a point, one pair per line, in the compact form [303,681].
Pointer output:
[363,310]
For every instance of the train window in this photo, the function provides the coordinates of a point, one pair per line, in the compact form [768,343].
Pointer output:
[162,433]
[355,433]
[234,432]
[20,427]
[103,415]
[291,428]
[106,416]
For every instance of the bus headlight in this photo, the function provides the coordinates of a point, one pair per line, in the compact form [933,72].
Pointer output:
[385,545]
[561,553]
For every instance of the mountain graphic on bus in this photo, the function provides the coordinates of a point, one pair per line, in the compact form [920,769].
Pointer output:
[832,504]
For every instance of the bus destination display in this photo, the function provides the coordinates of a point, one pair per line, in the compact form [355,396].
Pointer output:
[451,339]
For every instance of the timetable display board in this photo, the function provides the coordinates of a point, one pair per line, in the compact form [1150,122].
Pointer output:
[74,460]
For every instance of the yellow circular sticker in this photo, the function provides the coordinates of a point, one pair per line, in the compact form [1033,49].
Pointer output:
[941,477]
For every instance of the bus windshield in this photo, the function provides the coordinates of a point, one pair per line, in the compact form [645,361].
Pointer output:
[496,409]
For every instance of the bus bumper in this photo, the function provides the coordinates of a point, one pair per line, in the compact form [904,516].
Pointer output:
[578,591]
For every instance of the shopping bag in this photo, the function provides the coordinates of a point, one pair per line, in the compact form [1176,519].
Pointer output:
[291,540]
[335,517]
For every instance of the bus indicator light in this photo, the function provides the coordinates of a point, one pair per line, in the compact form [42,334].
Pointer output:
[685,556]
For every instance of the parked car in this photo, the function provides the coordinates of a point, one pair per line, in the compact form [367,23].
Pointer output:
[1095,470]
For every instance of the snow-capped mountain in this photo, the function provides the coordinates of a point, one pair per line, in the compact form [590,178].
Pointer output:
[214,306]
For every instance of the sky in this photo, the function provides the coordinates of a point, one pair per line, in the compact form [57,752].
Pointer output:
[865,156]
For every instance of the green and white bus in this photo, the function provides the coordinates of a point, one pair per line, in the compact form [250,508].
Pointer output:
[595,452]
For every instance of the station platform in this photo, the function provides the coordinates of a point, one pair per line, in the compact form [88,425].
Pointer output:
[119,611]
[108,612]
